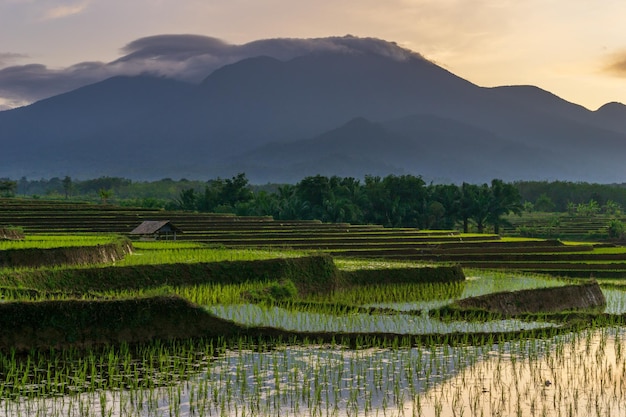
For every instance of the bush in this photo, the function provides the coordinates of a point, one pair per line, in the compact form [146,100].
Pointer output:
[276,291]
[527,231]
[281,291]
[616,229]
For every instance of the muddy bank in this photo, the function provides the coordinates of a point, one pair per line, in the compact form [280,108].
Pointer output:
[542,300]
[81,323]
[79,255]
[309,274]
[88,323]
[422,274]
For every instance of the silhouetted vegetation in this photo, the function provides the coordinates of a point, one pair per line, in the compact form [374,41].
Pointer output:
[559,196]
[393,201]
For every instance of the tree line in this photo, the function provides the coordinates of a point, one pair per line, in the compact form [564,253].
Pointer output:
[394,200]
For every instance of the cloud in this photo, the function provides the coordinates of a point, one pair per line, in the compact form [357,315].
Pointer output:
[193,57]
[184,57]
[6,57]
[616,64]
[24,84]
[65,10]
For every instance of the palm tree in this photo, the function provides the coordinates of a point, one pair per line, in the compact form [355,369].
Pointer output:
[505,199]
[105,195]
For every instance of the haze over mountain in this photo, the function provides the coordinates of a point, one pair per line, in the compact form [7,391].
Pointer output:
[373,108]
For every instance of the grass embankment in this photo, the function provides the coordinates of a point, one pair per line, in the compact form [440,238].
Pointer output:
[312,273]
[85,324]
[404,275]
[541,300]
[78,323]
[77,251]
[96,322]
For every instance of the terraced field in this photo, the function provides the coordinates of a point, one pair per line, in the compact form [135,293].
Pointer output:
[583,260]
[233,321]
[559,225]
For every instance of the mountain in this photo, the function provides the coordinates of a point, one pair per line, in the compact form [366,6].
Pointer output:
[355,149]
[95,130]
[329,112]
[417,144]
[613,116]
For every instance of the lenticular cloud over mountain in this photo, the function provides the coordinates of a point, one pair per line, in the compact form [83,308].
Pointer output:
[182,57]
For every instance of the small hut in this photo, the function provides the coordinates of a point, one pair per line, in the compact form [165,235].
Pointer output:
[156,230]
[11,233]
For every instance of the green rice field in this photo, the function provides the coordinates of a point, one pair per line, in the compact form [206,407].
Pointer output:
[407,355]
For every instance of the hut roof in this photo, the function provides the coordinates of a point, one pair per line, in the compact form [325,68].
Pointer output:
[150,227]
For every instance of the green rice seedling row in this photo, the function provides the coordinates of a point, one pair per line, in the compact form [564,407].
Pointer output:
[578,374]
[573,369]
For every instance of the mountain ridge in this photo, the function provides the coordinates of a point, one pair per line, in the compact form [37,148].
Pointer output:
[338,112]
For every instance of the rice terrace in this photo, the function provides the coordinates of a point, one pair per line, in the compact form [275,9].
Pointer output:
[251,316]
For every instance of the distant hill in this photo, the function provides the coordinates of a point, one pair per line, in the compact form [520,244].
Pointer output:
[332,113]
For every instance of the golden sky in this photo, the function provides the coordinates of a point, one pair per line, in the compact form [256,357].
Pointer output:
[573,48]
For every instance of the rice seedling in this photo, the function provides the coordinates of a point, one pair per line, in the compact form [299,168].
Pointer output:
[615,300]
[271,316]
[429,296]
[57,241]
[173,254]
[576,374]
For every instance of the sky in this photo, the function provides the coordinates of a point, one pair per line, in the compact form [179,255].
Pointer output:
[575,49]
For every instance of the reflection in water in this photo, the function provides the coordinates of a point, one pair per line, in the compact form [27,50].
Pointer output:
[573,375]
[256,315]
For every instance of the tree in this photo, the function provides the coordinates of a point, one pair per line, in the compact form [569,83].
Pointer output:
[481,206]
[612,208]
[409,193]
[468,203]
[616,229]
[449,196]
[289,203]
[235,191]
[590,209]
[67,186]
[379,207]
[528,207]
[97,184]
[314,191]
[504,199]
[105,195]
[263,204]
[486,205]
[344,200]
[544,203]
[187,200]
[7,188]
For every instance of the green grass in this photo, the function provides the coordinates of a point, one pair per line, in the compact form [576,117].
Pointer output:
[216,379]
[56,241]
[353,264]
[185,254]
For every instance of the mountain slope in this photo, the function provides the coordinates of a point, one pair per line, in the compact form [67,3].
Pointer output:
[417,144]
[93,130]
[345,113]
[311,94]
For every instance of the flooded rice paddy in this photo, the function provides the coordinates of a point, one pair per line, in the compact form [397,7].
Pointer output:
[579,373]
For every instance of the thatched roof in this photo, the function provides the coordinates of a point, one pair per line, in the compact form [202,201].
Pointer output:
[11,234]
[150,227]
